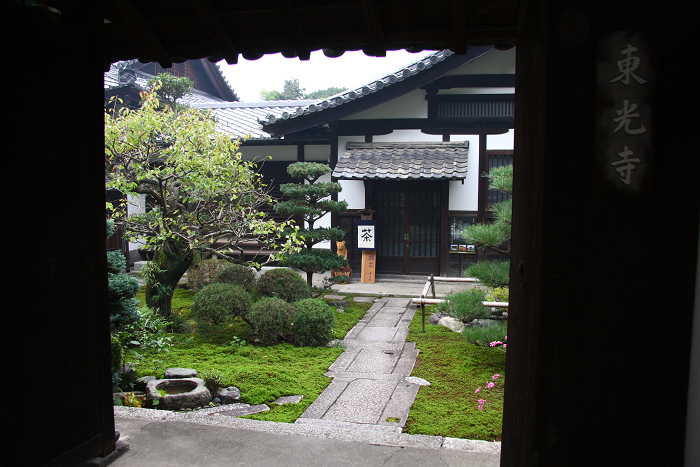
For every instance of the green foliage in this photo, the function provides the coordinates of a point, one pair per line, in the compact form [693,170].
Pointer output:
[323,93]
[465,305]
[271,319]
[498,294]
[313,322]
[204,272]
[170,88]
[117,353]
[315,261]
[116,262]
[496,235]
[283,283]
[237,274]
[213,380]
[110,227]
[455,368]
[484,335]
[293,91]
[310,201]
[491,273]
[220,303]
[204,198]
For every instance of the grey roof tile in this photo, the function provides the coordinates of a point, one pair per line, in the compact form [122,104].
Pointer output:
[400,161]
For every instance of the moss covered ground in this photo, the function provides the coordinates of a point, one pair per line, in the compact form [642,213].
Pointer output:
[455,369]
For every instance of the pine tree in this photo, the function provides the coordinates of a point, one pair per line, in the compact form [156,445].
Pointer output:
[309,199]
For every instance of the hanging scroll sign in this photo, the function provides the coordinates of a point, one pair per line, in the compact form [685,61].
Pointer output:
[366,235]
[626,77]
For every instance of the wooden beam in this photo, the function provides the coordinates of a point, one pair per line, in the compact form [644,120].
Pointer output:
[133,17]
[473,81]
[459,27]
[370,10]
[216,29]
[294,28]
[455,126]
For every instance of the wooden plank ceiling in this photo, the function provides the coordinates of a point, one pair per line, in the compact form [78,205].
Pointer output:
[169,31]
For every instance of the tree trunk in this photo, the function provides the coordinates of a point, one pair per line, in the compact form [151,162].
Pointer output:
[309,278]
[174,261]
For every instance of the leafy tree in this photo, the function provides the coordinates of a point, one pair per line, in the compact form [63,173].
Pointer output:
[310,200]
[293,91]
[323,93]
[496,235]
[202,197]
[169,89]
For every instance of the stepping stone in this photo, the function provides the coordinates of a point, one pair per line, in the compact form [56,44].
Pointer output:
[289,400]
[240,411]
[364,299]
[333,297]
[338,303]
[179,373]
[363,401]
[375,333]
[416,380]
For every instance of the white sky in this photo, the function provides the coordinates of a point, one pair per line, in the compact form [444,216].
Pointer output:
[351,70]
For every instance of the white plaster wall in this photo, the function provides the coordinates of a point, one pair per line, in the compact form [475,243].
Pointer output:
[494,62]
[463,196]
[406,136]
[410,105]
[262,153]
[317,153]
[353,192]
[504,141]
[137,204]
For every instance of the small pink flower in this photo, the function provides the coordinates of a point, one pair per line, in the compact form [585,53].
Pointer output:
[495,377]
[478,389]
[495,343]
[490,385]
[506,338]
[481,404]
[505,346]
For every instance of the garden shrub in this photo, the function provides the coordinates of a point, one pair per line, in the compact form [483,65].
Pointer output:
[465,305]
[213,380]
[484,335]
[491,273]
[237,274]
[117,353]
[313,322]
[116,262]
[220,303]
[204,273]
[271,319]
[122,288]
[283,283]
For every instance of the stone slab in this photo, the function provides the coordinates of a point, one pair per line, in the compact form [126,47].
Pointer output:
[406,363]
[377,333]
[382,319]
[374,361]
[400,403]
[333,297]
[239,412]
[349,425]
[363,401]
[364,299]
[394,309]
[288,400]
[346,358]
[325,400]
[400,302]
[349,376]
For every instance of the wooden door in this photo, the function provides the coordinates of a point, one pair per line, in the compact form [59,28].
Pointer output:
[408,227]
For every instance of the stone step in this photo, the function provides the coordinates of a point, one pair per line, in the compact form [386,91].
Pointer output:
[347,425]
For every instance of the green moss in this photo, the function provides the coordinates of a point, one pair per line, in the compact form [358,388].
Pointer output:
[455,369]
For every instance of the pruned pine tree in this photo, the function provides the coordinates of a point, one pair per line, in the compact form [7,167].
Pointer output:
[310,200]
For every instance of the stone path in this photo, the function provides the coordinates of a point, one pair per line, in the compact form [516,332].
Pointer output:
[369,389]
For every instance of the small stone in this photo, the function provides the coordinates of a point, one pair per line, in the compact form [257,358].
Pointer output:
[140,383]
[229,395]
[333,297]
[340,310]
[419,381]
[338,303]
[217,400]
[289,400]
[451,323]
[179,373]
[436,317]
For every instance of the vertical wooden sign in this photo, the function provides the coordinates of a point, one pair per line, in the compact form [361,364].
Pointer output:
[369,266]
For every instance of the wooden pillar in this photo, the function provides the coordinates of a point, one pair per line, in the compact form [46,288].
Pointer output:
[604,376]
[482,191]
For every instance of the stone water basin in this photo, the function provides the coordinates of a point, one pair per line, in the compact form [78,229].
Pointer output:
[182,393]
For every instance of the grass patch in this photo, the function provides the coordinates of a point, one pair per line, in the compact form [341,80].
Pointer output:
[261,373]
[455,369]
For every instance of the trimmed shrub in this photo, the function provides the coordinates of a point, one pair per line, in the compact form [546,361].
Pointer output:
[122,289]
[237,274]
[204,272]
[491,273]
[116,262]
[313,322]
[271,319]
[283,283]
[220,303]
[465,305]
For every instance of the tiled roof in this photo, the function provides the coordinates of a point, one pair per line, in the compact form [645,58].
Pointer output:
[241,118]
[140,79]
[403,161]
[358,93]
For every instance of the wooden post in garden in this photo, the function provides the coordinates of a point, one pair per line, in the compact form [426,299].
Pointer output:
[369,256]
